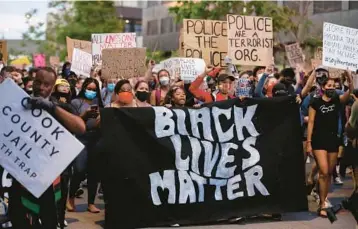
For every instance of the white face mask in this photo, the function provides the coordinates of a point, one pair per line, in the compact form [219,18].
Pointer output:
[164,81]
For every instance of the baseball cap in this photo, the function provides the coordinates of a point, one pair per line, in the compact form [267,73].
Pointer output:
[62,82]
[279,90]
[224,76]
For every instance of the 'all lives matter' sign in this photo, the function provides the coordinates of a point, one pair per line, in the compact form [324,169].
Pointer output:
[34,147]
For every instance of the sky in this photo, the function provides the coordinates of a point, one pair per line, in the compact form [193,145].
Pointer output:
[12,17]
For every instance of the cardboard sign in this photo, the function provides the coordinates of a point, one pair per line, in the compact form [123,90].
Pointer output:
[340,48]
[54,61]
[110,41]
[318,53]
[294,54]
[250,40]
[205,39]
[85,46]
[35,148]
[39,60]
[81,62]
[3,50]
[123,63]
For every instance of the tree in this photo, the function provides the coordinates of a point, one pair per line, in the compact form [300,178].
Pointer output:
[76,19]
[217,10]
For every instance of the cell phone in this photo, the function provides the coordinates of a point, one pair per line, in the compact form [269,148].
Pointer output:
[94,107]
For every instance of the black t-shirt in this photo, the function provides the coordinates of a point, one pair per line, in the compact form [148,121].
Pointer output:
[327,115]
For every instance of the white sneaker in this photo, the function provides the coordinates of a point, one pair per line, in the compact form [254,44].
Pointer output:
[308,160]
[338,181]
[65,223]
[327,203]
[175,225]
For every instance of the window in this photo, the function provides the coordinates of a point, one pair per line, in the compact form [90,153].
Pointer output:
[353,4]
[327,6]
[138,29]
[167,25]
[152,27]
[153,3]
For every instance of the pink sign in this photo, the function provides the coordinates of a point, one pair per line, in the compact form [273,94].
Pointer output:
[39,60]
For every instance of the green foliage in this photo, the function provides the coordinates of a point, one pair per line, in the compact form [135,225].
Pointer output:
[76,19]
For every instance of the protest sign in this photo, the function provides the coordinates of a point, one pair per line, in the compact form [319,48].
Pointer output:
[123,63]
[110,41]
[340,47]
[39,60]
[250,40]
[294,54]
[35,148]
[190,68]
[81,62]
[3,50]
[222,160]
[85,46]
[205,39]
[54,61]
[157,68]
[172,65]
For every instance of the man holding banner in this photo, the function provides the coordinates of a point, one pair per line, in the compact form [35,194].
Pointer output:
[26,211]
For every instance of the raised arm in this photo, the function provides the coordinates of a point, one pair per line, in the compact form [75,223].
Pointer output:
[309,84]
[344,98]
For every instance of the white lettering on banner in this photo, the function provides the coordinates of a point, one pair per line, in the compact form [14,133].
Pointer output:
[110,41]
[81,62]
[209,162]
[32,142]
[340,47]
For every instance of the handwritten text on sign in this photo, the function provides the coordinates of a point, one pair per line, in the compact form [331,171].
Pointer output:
[340,47]
[78,44]
[217,167]
[205,39]
[81,62]
[250,40]
[123,63]
[32,145]
[110,41]
[39,60]
[294,54]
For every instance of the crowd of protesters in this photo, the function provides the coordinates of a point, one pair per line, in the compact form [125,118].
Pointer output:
[327,105]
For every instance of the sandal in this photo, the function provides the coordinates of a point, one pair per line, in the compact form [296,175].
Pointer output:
[320,210]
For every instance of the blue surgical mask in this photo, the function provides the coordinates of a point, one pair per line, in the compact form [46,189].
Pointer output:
[90,94]
[110,87]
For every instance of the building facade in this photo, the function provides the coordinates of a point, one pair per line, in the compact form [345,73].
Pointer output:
[160,32]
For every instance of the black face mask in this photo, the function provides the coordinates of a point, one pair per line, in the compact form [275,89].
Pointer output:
[29,92]
[142,95]
[330,93]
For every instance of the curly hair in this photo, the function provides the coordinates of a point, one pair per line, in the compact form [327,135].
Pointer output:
[169,97]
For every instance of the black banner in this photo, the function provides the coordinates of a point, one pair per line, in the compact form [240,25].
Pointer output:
[187,166]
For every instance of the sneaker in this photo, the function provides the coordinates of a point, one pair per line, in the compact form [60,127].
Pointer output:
[175,225]
[338,181]
[79,192]
[83,183]
[65,223]
[327,203]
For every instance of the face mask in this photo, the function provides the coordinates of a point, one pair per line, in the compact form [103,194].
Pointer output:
[142,95]
[29,91]
[164,81]
[125,97]
[67,72]
[110,87]
[330,93]
[90,94]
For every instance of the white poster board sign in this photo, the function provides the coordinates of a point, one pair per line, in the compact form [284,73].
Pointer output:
[340,47]
[81,62]
[109,41]
[190,68]
[34,147]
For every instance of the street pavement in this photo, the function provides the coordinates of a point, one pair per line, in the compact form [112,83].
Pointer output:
[300,220]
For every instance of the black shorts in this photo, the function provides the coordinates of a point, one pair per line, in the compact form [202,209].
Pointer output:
[329,144]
